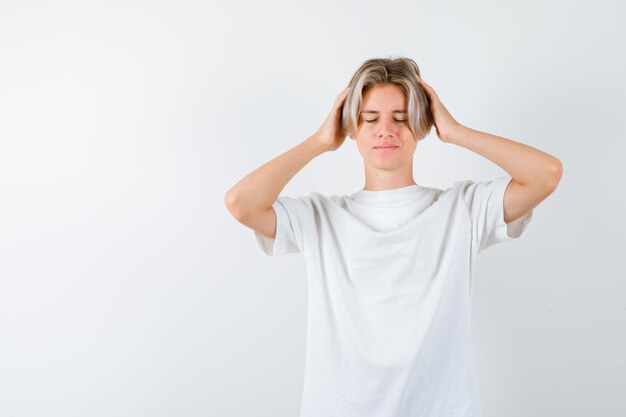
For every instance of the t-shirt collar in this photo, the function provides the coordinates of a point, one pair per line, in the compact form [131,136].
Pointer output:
[408,192]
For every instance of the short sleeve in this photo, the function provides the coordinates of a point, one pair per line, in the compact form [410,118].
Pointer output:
[295,227]
[485,203]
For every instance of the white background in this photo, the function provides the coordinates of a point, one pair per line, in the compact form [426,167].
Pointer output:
[127,288]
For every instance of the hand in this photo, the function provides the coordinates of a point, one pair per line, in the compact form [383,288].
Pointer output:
[330,135]
[445,124]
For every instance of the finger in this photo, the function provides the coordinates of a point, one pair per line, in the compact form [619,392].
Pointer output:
[425,85]
[344,91]
[342,96]
[429,90]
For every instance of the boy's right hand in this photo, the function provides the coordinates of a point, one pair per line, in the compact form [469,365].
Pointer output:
[330,135]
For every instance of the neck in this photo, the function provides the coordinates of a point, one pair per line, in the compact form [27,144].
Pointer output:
[380,180]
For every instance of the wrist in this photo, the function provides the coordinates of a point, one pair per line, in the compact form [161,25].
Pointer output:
[457,133]
[316,145]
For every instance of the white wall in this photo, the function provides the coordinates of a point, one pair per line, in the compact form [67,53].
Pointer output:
[127,289]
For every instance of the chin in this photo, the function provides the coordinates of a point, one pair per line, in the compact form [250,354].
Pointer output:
[387,165]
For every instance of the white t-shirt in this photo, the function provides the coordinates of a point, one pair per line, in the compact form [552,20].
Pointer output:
[390,278]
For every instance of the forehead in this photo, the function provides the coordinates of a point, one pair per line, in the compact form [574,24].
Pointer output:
[384,97]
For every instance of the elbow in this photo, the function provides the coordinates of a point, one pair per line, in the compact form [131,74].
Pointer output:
[555,174]
[229,201]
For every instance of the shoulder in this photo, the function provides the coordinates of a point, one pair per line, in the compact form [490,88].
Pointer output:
[470,188]
[326,199]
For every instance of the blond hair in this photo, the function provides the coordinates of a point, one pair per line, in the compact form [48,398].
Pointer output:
[402,72]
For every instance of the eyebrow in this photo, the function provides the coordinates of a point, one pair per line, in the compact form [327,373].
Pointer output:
[374,111]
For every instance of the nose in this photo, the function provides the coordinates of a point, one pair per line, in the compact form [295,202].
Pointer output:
[385,133]
[385,129]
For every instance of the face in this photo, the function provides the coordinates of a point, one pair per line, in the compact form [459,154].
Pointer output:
[384,121]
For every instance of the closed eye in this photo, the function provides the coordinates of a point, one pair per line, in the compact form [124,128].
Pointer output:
[372,121]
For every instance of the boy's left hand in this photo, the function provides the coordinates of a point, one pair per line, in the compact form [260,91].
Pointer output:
[445,124]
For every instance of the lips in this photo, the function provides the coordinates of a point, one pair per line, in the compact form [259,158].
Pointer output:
[385,146]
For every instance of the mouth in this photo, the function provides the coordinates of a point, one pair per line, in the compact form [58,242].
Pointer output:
[385,148]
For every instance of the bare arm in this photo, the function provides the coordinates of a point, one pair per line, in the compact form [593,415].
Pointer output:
[258,190]
[535,174]
[250,200]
